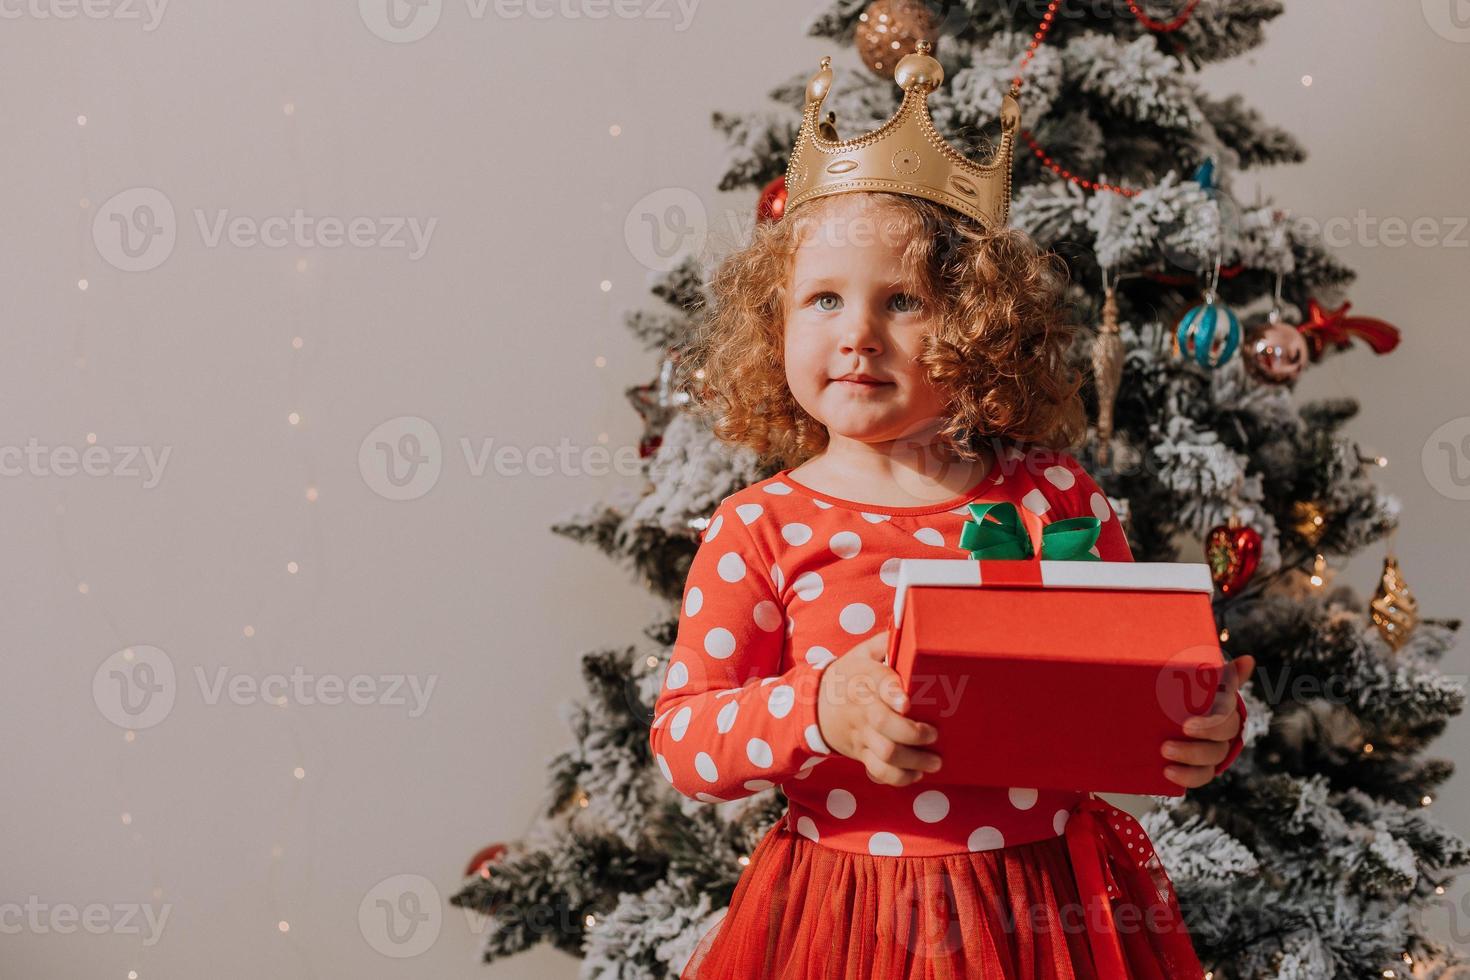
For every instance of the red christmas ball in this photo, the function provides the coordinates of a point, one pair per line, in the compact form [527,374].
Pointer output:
[773,201]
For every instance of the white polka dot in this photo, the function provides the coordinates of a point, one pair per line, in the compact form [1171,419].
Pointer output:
[781,700]
[693,602]
[841,804]
[1099,505]
[822,504]
[929,535]
[758,784]
[659,721]
[876,518]
[767,615]
[778,488]
[808,585]
[714,527]
[719,643]
[1093,551]
[731,567]
[889,572]
[1060,477]
[770,680]
[680,724]
[857,617]
[931,806]
[749,512]
[778,578]
[807,827]
[884,844]
[663,767]
[985,839]
[796,534]
[677,677]
[1059,820]
[845,544]
[705,766]
[962,511]
[820,656]
[790,625]
[710,799]
[1035,501]
[725,720]
[758,751]
[1022,799]
[814,740]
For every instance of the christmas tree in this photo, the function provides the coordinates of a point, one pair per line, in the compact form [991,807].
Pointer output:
[1315,855]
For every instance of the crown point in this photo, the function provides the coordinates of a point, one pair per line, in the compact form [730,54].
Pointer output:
[924,46]
[826,61]
[918,69]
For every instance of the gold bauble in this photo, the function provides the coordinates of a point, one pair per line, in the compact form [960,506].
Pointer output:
[1395,611]
[890,29]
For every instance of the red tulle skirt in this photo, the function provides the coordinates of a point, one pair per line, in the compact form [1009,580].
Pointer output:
[802,911]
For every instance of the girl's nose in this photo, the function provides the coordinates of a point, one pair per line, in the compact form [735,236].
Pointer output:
[861,336]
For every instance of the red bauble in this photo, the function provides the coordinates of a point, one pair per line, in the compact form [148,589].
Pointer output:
[773,201]
[486,856]
[1233,552]
[1275,352]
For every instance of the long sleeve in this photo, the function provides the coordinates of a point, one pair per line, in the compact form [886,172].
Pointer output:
[1112,545]
[726,724]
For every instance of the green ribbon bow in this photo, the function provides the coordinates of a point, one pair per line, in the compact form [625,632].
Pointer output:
[1005,536]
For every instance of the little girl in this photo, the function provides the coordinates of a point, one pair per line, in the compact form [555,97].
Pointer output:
[900,359]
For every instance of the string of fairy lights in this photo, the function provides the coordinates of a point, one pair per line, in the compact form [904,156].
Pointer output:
[259,637]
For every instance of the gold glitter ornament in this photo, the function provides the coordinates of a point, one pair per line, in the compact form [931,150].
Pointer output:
[890,29]
[1395,611]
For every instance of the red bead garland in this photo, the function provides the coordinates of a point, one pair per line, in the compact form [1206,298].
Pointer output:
[1036,41]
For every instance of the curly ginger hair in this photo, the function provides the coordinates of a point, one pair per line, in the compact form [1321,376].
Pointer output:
[998,349]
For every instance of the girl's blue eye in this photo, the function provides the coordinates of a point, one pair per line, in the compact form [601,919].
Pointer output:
[822,296]
[909,304]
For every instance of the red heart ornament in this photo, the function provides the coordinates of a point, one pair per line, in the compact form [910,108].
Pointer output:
[1233,552]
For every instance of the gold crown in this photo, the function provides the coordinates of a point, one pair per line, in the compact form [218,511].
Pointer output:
[906,155]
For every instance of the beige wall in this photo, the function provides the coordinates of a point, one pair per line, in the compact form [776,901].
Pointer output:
[495,128]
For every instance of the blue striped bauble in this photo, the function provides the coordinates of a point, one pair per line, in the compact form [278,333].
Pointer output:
[1209,333]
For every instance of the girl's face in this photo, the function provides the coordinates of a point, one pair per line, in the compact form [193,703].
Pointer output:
[849,312]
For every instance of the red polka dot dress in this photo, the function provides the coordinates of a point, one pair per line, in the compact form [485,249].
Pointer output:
[859,878]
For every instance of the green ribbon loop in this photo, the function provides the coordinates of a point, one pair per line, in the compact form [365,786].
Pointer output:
[1005,537]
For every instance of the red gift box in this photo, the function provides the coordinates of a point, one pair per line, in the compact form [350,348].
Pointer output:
[1055,674]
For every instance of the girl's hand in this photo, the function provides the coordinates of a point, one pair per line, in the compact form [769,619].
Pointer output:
[859,705]
[1198,756]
